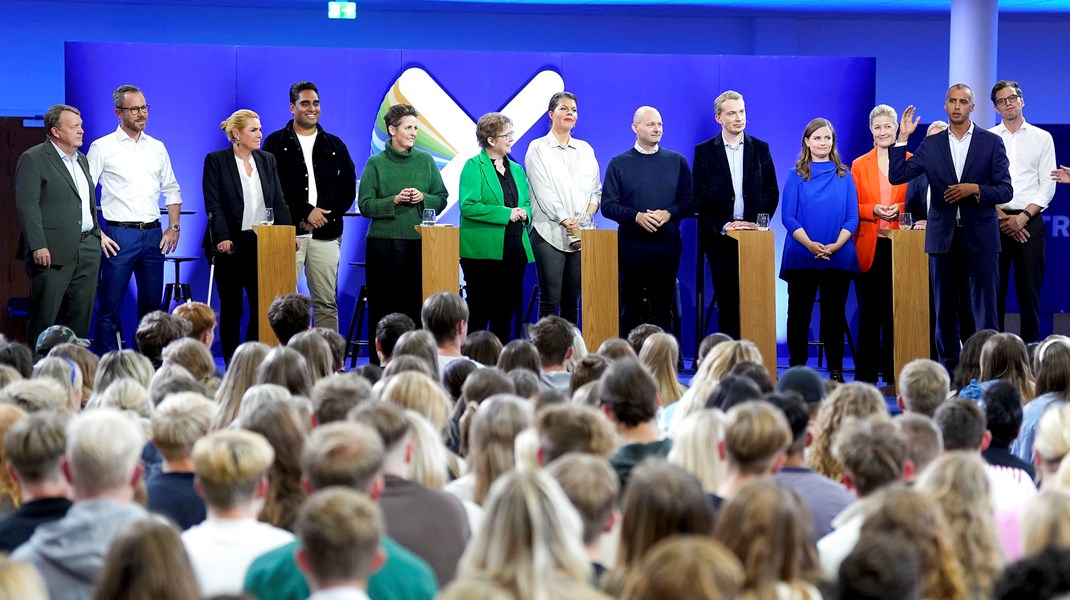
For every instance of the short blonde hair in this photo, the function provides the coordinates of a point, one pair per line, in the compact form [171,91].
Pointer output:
[923,384]
[238,120]
[36,395]
[230,464]
[340,530]
[179,421]
[755,433]
[592,486]
[126,395]
[416,391]
[34,446]
[21,580]
[1046,522]
[695,443]
[65,372]
[1052,441]
[103,448]
[123,363]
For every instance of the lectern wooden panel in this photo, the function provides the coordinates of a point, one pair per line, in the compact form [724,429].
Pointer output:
[910,296]
[276,272]
[757,292]
[441,259]
[599,288]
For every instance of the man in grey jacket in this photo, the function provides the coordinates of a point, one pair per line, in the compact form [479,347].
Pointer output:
[102,464]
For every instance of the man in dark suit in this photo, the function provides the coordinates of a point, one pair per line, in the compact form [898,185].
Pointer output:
[969,175]
[61,240]
[734,182]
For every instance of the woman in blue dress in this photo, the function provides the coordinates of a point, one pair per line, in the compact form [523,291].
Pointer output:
[820,214]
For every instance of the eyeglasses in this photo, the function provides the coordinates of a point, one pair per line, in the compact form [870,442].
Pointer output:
[1008,100]
[507,136]
[135,109]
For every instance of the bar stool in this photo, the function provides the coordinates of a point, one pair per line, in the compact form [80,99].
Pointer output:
[354,339]
[176,291]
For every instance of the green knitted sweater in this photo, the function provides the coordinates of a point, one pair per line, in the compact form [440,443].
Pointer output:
[386,174]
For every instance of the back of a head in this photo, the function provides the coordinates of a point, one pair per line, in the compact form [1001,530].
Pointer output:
[797,415]
[103,449]
[17,355]
[881,567]
[1045,574]
[286,367]
[615,348]
[924,441]
[756,372]
[441,313]
[64,372]
[726,356]
[173,379]
[85,359]
[191,355]
[484,383]
[455,374]
[123,363]
[201,317]
[230,464]
[409,362]
[156,330]
[709,343]
[416,391]
[695,440]
[872,453]
[21,580]
[387,419]
[637,336]
[346,453]
[1052,366]
[337,345]
[289,315]
[334,396]
[317,353]
[339,531]
[552,337]
[923,384]
[389,329]
[240,376]
[756,433]
[1003,412]
[483,347]
[34,446]
[733,390]
[1052,441]
[587,369]
[493,436]
[593,488]
[146,559]
[660,500]
[687,566]
[565,428]
[527,383]
[418,344]
[520,354]
[969,367]
[629,392]
[179,421]
[961,423]
[1004,356]
[852,399]
[34,395]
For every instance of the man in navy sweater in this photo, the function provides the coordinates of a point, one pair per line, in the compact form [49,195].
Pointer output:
[647,191]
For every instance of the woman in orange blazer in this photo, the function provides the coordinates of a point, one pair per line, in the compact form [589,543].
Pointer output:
[879,206]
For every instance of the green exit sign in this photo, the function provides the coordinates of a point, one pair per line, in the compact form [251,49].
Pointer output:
[341,10]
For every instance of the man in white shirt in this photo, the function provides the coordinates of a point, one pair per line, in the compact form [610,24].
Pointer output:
[1031,152]
[133,169]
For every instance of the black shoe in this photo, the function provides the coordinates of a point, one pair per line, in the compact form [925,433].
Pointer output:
[836,375]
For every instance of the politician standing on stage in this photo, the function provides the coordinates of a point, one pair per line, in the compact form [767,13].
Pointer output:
[240,183]
[565,184]
[648,191]
[879,206]
[319,182]
[133,170]
[1031,153]
[968,176]
[734,182]
[820,216]
[61,240]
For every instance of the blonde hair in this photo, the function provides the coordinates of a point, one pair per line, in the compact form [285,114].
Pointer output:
[238,120]
[958,483]
[240,376]
[923,385]
[592,486]
[340,530]
[715,367]
[416,391]
[230,465]
[9,486]
[687,566]
[883,110]
[64,372]
[21,580]
[919,521]
[1052,441]
[120,364]
[871,451]
[852,399]
[659,355]
[193,356]
[1004,356]
[9,375]
[430,458]
[85,359]
[125,395]
[756,433]
[317,353]
[696,441]
[564,428]
[179,421]
[36,395]
[103,448]
[1046,521]
[498,421]
[768,527]
[530,542]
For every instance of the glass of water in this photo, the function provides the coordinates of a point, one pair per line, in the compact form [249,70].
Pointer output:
[428,217]
[269,217]
[906,221]
[763,221]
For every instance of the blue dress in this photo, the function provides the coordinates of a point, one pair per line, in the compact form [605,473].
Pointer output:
[822,206]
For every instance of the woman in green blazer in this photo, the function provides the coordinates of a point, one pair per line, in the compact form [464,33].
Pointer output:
[495,208]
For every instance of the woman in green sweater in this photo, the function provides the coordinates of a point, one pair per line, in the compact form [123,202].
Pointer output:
[495,211]
[395,188]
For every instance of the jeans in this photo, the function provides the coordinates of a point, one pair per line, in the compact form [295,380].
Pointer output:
[559,279]
[139,255]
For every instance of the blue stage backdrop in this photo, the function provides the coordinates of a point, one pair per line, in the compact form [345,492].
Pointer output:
[193,88]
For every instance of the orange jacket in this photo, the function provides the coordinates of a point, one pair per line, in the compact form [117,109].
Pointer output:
[867,176]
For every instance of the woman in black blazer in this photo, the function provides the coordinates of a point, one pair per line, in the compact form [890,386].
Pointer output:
[239,183]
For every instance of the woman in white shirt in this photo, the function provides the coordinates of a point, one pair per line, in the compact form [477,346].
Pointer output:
[565,184]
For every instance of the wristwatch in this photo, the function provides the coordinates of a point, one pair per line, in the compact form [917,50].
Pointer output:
[176,227]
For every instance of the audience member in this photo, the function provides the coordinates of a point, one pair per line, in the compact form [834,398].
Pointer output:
[194,357]
[881,567]
[592,488]
[387,332]
[552,337]
[637,336]
[56,335]
[37,395]
[527,384]
[969,367]
[687,566]
[520,354]
[491,449]
[756,372]
[589,368]
[334,396]
[202,320]
[1045,574]
[288,368]
[455,375]
[1003,418]
[698,447]
[615,348]
[757,435]
[924,441]
[445,315]
[156,330]
[1046,522]
[64,372]
[660,356]
[569,428]
[715,367]
[147,560]
[317,353]
[733,390]
[339,531]
[123,364]
[85,359]
[418,344]
[282,425]
[850,400]
[628,396]
[1052,368]
[923,385]
[17,355]
[33,449]
[21,580]
[708,344]
[418,392]
[177,424]
[479,386]
[240,376]
[482,347]
[289,315]
[10,496]
[337,345]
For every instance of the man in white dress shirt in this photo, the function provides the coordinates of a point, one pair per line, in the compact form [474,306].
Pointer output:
[1031,152]
[133,170]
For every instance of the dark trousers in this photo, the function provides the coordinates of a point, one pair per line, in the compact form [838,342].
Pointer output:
[494,289]
[139,256]
[64,290]
[234,274]
[559,279]
[954,273]
[1028,262]
[875,318]
[803,285]
[647,281]
[722,254]
[394,277]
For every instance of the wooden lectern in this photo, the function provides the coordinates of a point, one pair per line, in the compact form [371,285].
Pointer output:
[601,300]
[910,296]
[276,272]
[757,292]
[441,259]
